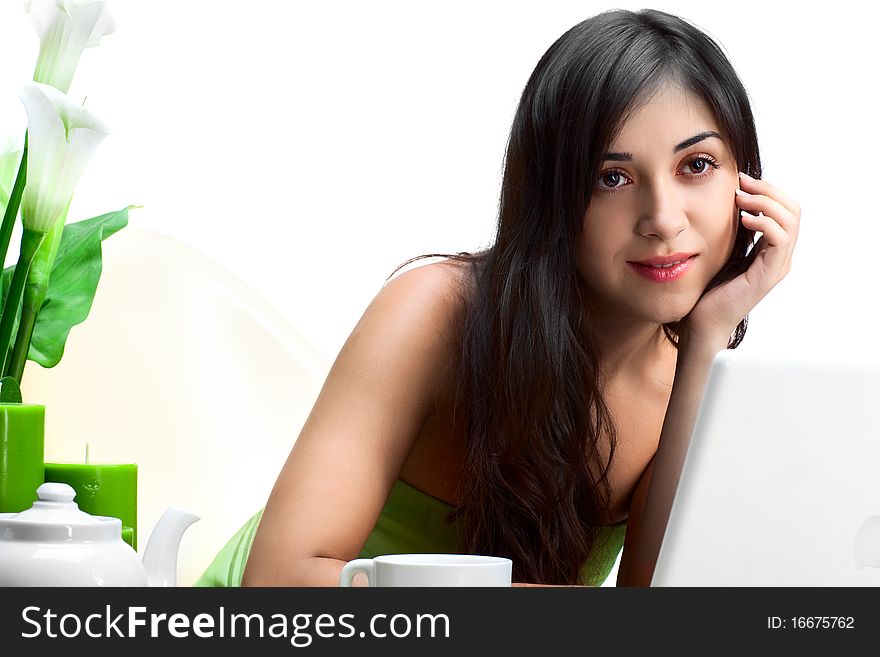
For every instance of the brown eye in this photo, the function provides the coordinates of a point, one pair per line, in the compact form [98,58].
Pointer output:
[610,181]
[700,166]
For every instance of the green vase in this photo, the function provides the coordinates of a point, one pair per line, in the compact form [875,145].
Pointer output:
[21,455]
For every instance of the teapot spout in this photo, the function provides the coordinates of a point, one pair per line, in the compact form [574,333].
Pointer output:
[160,555]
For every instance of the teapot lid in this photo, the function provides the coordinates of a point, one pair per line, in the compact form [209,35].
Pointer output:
[56,517]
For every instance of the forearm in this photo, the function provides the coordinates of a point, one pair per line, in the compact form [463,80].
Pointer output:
[692,371]
[314,571]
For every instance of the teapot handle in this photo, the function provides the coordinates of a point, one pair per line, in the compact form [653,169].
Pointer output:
[160,555]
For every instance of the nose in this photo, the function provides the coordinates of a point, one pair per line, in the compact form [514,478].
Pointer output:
[662,215]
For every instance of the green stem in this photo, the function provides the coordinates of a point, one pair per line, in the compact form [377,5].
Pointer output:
[35,288]
[30,242]
[14,203]
[22,343]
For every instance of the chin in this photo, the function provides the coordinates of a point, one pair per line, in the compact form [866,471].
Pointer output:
[667,315]
[669,319]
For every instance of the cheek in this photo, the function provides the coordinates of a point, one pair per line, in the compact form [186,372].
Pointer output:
[718,218]
[602,238]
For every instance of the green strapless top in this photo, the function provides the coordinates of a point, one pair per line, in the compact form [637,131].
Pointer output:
[411,522]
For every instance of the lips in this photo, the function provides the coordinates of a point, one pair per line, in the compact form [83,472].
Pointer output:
[664,269]
[659,261]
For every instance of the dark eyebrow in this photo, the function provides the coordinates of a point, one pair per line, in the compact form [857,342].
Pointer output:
[616,157]
[696,139]
[687,143]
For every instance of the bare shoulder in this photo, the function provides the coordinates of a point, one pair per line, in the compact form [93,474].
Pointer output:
[444,282]
[425,301]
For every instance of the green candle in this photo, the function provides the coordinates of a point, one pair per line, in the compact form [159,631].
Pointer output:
[102,489]
[128,535]
[21,455]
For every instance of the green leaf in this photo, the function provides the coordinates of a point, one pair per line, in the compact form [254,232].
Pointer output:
[72,284]
[9,390]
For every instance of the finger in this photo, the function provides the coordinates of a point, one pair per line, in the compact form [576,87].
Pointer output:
[758,203]
[773,233]
[775,242]
[755,186]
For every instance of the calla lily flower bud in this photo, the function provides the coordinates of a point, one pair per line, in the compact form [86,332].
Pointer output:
[66,28]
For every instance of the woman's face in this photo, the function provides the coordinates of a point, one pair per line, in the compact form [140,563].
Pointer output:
[666,187]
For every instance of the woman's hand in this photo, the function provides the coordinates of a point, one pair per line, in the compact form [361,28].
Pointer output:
[769,211]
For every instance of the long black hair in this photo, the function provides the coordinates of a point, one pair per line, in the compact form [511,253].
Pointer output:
[527,393]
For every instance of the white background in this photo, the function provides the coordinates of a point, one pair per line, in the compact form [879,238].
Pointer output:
[312,147]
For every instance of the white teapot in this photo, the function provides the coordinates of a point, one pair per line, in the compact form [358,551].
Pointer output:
[55,544]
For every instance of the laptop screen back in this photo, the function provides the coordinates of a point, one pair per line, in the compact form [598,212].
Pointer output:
[781,482]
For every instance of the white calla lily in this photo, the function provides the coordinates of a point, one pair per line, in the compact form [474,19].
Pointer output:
[66,28]
[62,136]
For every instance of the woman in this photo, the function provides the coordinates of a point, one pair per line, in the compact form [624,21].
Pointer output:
[535,400]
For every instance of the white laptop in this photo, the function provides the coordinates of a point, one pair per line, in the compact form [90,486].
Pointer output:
[781,482]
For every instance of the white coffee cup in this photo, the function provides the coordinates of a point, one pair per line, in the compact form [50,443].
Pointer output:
[430,570]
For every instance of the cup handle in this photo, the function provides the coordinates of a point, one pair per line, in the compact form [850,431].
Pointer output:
[354,567]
